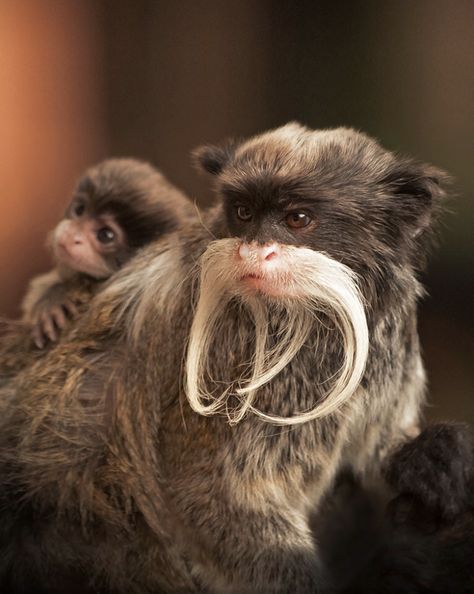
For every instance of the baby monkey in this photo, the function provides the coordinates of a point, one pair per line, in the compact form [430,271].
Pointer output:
[117,207]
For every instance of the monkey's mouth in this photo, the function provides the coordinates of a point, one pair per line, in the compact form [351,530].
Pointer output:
[253,279]
[66,255]
[252,276]
[268,284]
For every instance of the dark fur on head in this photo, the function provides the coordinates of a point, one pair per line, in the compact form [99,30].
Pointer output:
[214,158]
[144,202]
[156,497]
[370,206]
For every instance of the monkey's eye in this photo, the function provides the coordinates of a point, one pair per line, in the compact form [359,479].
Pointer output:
[79,209]
[297,220]
[243,213]
[105,235]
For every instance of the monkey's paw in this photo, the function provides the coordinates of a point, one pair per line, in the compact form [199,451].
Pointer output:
[436,468]
[51,321]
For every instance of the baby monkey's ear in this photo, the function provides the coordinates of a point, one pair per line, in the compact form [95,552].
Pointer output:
[419,191]
[214,158]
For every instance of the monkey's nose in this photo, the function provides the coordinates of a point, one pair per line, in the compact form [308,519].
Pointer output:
[260,253]
[267,252]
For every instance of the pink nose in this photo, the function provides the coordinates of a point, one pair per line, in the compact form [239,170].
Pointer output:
[261,253]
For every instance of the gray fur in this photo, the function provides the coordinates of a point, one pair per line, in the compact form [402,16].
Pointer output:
[140,493]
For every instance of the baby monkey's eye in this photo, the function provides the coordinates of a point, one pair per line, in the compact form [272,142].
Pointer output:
[79,209]
[244,213]
[297,220]
[105,235]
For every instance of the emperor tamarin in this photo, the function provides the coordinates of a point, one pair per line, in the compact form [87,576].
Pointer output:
[293,308]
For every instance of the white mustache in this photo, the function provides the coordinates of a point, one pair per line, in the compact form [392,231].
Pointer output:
[310,283]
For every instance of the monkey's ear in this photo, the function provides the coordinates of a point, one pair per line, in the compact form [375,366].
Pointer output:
[419,191]
[213,158]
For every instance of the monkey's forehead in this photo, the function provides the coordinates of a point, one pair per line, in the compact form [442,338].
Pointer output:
[296,151]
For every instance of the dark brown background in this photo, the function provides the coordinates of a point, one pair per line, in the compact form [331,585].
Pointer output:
[83,80]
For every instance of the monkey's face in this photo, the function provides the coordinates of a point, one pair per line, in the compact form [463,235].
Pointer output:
[336,192]
[87,242]
[311,218]
[119,206]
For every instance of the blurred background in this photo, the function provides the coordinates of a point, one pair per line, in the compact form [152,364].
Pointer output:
[152,79]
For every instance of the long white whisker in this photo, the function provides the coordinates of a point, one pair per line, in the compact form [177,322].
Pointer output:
[317,284]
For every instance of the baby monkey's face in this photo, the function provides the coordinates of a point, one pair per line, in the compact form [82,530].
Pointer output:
[86,242]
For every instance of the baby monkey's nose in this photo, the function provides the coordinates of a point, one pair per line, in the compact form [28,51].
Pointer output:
[259,253]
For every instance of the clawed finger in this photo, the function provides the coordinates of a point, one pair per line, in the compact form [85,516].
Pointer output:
[48,326]
[58,316]
[71,308]
[38,337]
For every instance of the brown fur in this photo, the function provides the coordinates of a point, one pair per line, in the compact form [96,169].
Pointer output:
[143,203]
[106,470]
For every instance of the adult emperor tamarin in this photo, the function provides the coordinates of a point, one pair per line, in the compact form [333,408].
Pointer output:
[202,407]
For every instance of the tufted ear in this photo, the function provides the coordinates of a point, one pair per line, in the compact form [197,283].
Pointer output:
[419,191]
[214,158]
